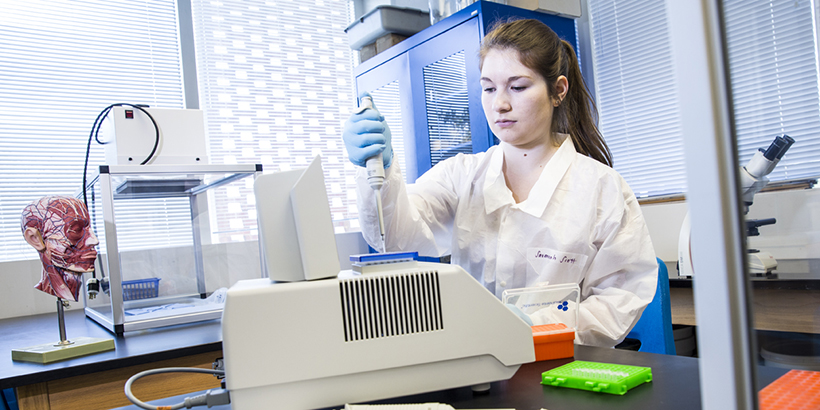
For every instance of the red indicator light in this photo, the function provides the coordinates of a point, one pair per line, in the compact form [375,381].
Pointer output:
[129,114]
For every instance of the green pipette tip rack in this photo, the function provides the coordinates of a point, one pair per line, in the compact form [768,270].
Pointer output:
[597,377]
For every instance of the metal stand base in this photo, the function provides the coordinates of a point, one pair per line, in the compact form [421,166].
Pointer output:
[64,349]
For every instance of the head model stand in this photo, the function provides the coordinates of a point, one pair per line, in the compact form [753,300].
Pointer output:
[752,180]
[59,228]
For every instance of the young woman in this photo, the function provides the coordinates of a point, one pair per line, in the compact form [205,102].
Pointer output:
[543,206]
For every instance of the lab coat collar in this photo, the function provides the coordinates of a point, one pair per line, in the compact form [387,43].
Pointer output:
[497,195]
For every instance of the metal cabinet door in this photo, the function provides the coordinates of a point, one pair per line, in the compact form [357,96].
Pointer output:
[389,84]
[430,97]
[447,96]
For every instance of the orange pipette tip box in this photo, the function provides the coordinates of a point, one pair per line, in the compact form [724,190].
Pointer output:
[795,390]
[553,341]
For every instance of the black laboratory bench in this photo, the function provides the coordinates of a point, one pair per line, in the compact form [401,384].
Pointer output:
[674,386]
[760,282]
[96,381]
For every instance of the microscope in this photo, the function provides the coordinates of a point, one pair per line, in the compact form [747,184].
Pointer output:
[752,180]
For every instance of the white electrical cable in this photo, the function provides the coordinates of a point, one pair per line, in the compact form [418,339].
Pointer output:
[201,400]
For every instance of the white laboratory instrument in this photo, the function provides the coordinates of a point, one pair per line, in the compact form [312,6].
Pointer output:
[761,262]
[130,135]
[685,248]
[383,330]
[752,180]
[295,226]
[753,175]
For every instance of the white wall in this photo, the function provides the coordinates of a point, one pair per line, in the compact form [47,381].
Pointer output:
[19,298]
[794,240]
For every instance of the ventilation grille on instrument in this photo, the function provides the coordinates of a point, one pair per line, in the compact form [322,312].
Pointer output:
[375,307]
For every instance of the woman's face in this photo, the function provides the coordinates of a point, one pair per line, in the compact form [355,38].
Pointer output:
[515,100]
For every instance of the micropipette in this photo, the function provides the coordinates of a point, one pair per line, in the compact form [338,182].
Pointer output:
[375,174]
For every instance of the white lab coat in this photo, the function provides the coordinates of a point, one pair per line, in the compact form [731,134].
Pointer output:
[581,224]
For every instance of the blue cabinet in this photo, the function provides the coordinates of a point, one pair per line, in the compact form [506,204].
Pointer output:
[427,86]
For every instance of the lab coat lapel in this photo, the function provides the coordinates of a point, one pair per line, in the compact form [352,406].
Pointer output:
[552,174]
[496,193]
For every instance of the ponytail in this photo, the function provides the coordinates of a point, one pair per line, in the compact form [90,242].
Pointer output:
[577,114]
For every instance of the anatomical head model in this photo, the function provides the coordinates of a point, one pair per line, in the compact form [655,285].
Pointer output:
[59,228]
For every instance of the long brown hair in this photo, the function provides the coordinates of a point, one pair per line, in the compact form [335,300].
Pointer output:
[542,51]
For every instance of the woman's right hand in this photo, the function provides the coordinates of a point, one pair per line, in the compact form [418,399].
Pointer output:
[366,134]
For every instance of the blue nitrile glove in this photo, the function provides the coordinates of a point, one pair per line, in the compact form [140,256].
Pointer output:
[519,313]
[366,134]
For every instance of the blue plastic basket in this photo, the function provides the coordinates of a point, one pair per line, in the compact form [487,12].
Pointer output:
[140,289]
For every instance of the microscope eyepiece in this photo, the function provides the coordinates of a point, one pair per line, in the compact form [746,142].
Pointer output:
[778,147]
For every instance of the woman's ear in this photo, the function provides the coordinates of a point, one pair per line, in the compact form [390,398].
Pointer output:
[34,239]
[561,89]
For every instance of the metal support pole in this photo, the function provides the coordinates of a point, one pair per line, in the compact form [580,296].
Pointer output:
[199,261]
[61,320]
[721,289]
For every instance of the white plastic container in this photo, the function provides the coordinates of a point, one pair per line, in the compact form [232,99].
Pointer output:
[383,20]
[441,9]
[547,304]
[565,8]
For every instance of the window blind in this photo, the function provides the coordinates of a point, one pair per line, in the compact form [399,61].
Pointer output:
[275,84]
[773,67]
[61,63]
[637,94]
[774,79]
